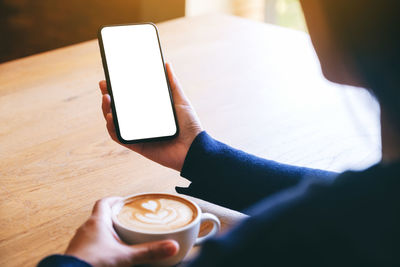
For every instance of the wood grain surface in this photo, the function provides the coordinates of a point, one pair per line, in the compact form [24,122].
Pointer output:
[255,86]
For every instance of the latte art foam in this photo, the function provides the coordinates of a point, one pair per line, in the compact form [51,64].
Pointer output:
[156,213]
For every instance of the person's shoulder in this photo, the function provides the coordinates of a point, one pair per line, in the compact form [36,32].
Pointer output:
[375,183]
[372,186]
[353,197]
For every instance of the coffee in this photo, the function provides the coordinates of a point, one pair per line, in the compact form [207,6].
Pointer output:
[156,213]
[149,217]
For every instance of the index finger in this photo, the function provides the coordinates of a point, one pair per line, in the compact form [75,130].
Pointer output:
[103,206]
[103,87]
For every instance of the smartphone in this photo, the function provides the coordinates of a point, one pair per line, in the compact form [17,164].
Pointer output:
[137,81]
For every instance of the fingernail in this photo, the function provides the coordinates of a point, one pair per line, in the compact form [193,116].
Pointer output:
[169,248]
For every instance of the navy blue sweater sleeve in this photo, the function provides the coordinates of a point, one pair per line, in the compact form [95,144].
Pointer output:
[349,221]
[62,261]
[235,179]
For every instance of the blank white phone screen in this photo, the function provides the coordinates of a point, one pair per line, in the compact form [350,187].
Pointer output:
[138,82]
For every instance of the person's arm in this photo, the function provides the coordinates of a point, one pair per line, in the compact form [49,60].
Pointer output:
[273,236]
[346,222]
[235,179]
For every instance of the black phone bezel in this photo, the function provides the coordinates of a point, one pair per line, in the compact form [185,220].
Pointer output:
[109,87]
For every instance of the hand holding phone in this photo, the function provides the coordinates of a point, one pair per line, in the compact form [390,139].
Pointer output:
[142,99]
[171,153]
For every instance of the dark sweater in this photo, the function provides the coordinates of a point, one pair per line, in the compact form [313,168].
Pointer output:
[299,216]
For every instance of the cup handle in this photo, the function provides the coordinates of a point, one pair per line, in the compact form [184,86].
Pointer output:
[216,226]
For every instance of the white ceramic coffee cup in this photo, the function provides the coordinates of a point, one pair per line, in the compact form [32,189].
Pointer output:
[186,236]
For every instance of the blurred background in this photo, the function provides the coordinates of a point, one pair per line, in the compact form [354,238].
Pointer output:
[31,26]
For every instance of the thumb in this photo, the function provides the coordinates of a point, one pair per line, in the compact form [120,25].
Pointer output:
[149,252]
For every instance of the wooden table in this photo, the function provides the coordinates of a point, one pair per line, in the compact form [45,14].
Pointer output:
[255,86]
